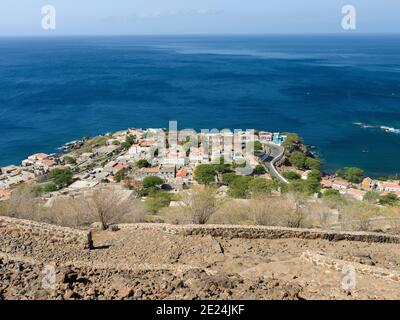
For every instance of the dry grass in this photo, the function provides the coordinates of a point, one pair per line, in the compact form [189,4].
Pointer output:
[196,206]
[287,211]
[393,219]
[231,212]
[107,206]
[110,206]
[358,216]
[199,206]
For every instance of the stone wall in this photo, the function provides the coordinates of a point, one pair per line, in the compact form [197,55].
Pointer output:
[30,237]
[262,232]
[339,265]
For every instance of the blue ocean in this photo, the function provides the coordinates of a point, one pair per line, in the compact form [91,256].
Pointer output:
[54,90]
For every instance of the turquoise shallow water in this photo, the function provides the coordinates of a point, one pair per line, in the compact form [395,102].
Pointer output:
[53,90]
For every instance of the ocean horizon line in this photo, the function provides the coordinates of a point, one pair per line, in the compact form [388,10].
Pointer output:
[334,34]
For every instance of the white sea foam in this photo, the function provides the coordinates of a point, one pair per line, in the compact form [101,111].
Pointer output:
[384,128]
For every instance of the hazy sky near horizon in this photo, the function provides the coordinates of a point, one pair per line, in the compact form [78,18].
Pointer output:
[123,17]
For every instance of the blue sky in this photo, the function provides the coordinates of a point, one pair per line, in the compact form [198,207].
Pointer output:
[104,17]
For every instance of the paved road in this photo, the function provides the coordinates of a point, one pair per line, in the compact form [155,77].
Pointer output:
[272,154]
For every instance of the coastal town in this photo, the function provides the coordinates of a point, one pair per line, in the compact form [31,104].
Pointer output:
[126,158]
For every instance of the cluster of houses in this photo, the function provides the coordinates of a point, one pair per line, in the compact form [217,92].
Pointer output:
[172,156]
[29,172]
[358,191]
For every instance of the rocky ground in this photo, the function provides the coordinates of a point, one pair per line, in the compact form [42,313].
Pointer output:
[153,263]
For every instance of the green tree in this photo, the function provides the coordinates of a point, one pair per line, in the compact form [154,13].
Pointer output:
[227,178]
[205,174]
[389,199]
[340,173]
[298,186]
[222,168]
[120,175]
[291,175]
[297,159]
[291,140]
[313,164]
[61,177]
[157,199]
[142,164]
[354,175]
[239,188]
[259,186]
[130,139]
[125,145]
[314,175]
[259,169]
[312,186]
[151,182]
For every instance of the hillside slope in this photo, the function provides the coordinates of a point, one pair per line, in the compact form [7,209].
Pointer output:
[213,262]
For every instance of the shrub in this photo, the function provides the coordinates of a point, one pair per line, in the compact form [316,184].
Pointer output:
[129,141]
[357,216]
[142,164]
[198,205]
[351,174]
[120,175]
[205,174]
[308,187]
[231,212]
[260,186]
[331,193]
[389,199]
[314,175]
[157,199]
[110,206]
[22,203]
[291,140]
[371,197]
[151,182]
[266,211]
[393,216]
[313,164]
[298,216]
[106,205]
[259,169]
[69,160]
[125,145]
[286,211]
[61,177]
[297,159]
[49,187]
[228,178]
[291,175]
[239,188]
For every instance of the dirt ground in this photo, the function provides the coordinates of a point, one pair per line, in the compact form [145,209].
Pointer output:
[153,264]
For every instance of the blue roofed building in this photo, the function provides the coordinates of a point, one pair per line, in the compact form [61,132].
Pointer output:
[278,138]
